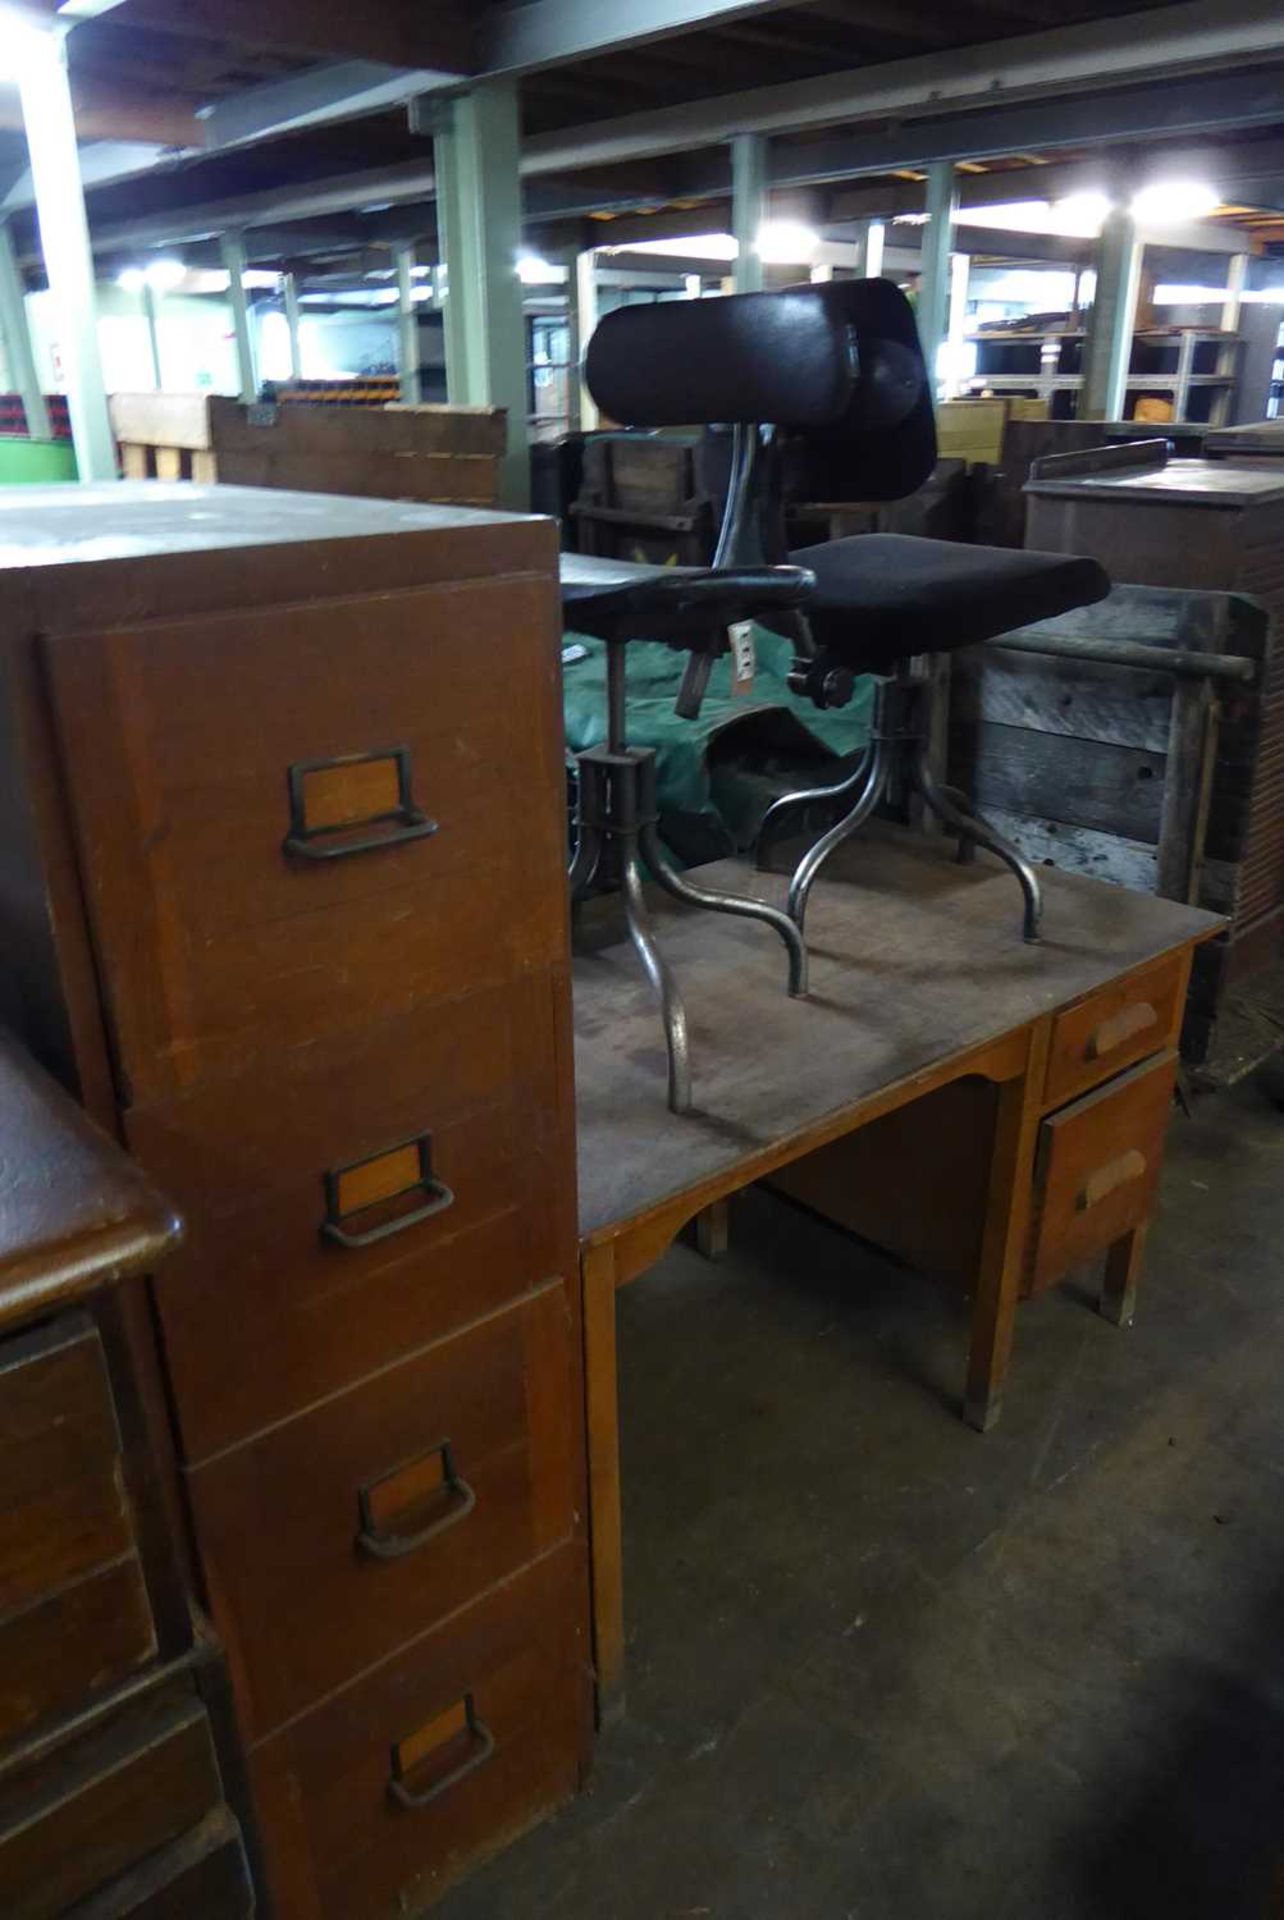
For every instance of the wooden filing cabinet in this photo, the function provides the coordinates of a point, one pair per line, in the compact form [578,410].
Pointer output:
[1106,1101]
[292,792]
[116,1768]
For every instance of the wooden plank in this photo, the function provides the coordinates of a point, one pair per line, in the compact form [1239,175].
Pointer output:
[161,419]
[1192,745]
[1049,776]
[1083,850]
[1121,706]
[203,1875]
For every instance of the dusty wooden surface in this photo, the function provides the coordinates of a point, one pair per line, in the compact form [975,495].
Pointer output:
[913,959]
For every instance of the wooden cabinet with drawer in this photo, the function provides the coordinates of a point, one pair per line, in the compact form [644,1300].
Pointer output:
[109,1748]
[290,823]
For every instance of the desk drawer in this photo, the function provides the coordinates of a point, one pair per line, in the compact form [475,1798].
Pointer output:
[1098,1166]
[264,1309]
[74,1816]
[484,1723]
[331,1540]
[74,1613]
[1123,1023]
[254,794]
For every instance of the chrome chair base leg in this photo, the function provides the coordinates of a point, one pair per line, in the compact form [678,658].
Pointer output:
[663,985]
[772,820]
[899,749]
[616,829]
[972,832]
[878,772]
[677,884]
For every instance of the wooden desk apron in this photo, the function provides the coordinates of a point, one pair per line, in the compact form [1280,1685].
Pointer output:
[921,990]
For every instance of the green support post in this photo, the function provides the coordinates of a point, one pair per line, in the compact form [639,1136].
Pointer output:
[934,277]
[232,248]
[19,358]
[1108,348]
[748,207]
[475,152]
[407,329]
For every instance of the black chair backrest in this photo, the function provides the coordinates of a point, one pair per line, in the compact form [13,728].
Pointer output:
[752,358]
[884,446]
[836,367]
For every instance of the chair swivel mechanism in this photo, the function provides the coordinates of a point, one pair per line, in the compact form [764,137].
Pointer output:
[737,362]
[883,603]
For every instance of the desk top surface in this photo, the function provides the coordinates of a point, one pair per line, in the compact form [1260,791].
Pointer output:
[1196,483]
[914,960]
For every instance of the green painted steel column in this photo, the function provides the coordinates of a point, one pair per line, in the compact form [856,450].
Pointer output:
[151,315]
[584,304]
[748,207]
[293,322]
[20,361]
[50,125]
[232,248]
[479,218]
[1108,348]
[934,277]
[407,329]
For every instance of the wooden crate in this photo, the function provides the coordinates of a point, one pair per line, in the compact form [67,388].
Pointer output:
[445,454]
[1110,770]
[972,430]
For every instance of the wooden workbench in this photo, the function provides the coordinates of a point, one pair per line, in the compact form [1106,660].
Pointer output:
[919,982]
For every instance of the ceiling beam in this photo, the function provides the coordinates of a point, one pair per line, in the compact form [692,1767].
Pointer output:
[1163,42]
[105,111]
[343,91]
[542,33]
[405,33]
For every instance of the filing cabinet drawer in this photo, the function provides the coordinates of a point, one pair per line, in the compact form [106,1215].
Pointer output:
[317,1247]
[483,1724]
[74,1612]
[1123,1023]
[1098,1166]
[263,869]
[330,1540]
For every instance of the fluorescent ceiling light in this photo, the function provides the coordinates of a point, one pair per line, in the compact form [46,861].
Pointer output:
[786,243]
[1081,215]
[694,246]
[1165,203]
[1176,294]
[534,272]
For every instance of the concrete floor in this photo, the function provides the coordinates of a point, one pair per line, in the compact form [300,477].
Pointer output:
[881,1668]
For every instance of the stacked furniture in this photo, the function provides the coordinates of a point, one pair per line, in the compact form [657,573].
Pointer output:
[449,454]
[1211,524]
[266,907]
[115,1759]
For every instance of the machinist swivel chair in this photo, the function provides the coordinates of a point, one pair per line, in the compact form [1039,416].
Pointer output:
[735,361]
[884,602]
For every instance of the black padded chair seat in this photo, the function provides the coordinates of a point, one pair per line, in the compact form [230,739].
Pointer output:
[882,597]
[626,600]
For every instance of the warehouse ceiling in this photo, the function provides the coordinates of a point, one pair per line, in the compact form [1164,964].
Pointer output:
[173,97]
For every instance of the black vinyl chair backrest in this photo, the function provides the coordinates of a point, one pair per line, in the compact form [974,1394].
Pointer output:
[834,368]
[746,360]
[884,446]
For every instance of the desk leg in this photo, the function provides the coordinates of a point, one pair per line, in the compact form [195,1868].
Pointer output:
[713,1229]
[602,1390]
[1122,1272]
[1003,1241]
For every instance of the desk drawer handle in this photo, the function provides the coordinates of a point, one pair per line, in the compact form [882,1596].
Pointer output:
[331,800]
[357,1189]
[1115,1173]
[382,1542]
[1121,1028]
[459,1719]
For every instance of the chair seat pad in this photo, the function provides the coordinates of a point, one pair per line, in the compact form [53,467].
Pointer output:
[628,600]
[882,597]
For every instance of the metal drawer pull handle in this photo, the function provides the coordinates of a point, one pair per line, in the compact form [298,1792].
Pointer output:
[461,1718]
[382,1542]
[1120,1028]
[330,799]
[1115,1173]
[356,1189]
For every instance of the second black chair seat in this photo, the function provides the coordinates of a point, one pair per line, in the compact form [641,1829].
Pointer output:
[881,598]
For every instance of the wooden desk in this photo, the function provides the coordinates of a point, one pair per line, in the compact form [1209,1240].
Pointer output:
[919,982]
